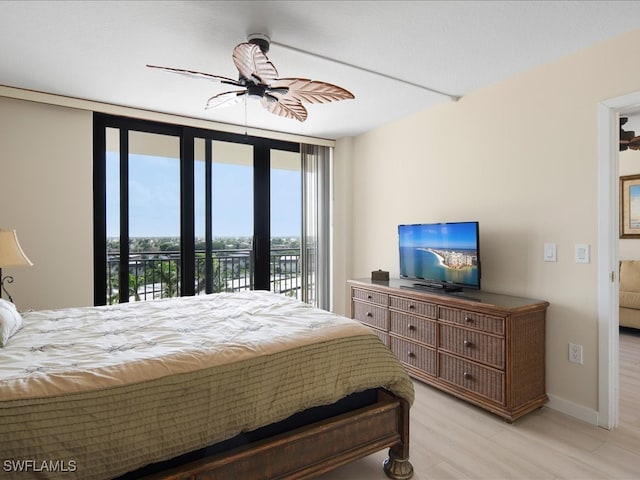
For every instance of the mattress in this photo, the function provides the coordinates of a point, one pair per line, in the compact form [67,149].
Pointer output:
[95,392]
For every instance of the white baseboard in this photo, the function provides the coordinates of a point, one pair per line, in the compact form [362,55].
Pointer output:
[575,410]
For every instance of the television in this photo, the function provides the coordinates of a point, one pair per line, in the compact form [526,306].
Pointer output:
[444,256]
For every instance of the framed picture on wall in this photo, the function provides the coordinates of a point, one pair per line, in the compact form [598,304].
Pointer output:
[630,206]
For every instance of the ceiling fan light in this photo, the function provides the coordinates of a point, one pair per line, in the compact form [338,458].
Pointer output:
[269,98]
[256,91]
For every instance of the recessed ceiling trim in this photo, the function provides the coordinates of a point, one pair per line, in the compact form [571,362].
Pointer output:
[452,97]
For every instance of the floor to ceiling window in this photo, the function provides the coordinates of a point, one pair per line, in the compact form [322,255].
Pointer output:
[223,215]
[286,223]
[184,211]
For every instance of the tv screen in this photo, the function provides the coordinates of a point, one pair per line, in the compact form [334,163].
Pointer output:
[445,255]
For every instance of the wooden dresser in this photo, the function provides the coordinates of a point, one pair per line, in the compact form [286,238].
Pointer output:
[486,348]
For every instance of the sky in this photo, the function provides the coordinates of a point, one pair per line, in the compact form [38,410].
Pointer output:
[441,235]
[154,199]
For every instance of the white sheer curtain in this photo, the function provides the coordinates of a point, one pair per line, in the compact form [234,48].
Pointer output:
[316,223]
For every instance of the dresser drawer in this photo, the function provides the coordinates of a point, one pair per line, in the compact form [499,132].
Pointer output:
[473,377]
[370,296]
[415,328]
[371,315]
[422,358]
[384,336]
[472,344]
[412,306]
[478,321]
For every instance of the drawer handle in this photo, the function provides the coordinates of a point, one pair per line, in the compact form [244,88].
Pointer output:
[412,355]
[468,319]
[369,314]
[369,297]
[468,343]
[412,307]
[467,376]
[412,327]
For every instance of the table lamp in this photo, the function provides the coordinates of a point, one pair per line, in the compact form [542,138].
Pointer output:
[11,255]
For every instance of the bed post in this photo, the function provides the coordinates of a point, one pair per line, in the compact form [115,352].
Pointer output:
[397,465]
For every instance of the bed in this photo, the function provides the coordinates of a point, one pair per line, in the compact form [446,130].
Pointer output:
[244,385]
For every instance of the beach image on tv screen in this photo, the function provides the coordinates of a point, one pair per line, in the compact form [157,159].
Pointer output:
[440,252]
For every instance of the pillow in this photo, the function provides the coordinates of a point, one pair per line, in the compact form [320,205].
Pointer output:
[10,321]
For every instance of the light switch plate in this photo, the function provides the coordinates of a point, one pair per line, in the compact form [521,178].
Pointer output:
[550,252]
[583,253]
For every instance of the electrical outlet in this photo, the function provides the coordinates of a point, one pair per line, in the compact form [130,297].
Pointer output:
[575,353]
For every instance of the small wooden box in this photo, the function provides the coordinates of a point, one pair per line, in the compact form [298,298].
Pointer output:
[379,276]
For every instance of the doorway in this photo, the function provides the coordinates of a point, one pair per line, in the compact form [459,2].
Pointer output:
[609,112]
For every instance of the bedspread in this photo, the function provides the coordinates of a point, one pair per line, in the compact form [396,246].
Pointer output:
[95,392]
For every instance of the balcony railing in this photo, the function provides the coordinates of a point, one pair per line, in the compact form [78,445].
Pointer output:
[155,275]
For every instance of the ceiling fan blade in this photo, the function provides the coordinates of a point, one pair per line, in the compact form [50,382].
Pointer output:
[192,73]
[285,107]
[253,64]
[312,91]
[225,99]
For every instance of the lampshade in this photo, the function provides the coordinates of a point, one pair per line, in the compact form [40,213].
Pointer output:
[11,254]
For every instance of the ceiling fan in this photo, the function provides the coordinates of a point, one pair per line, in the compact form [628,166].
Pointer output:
[628,138]
[258,78]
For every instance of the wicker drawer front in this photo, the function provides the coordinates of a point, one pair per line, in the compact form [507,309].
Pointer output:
[485,323]
[419,357]
[412,306]
[473,345]
[369,296]
[384,336]
[415,328]
[470,376]
[371,315]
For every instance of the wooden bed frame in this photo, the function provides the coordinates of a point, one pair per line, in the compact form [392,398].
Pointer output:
[314,449]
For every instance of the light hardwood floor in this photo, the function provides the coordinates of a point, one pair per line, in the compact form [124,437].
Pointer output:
[453,440]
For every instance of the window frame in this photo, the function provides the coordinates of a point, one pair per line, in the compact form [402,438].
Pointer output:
[187,135]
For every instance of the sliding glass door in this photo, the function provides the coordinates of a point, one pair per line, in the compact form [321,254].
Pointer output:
[247,217]
[286,223]
[184,211]
[137,234]
[223,216]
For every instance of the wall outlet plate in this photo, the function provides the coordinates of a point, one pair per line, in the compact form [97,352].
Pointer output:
[575,353]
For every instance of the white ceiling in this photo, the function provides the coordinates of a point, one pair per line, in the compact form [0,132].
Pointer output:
[98,50]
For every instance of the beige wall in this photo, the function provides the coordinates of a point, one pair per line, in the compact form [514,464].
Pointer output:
[46,196]
[521,157]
